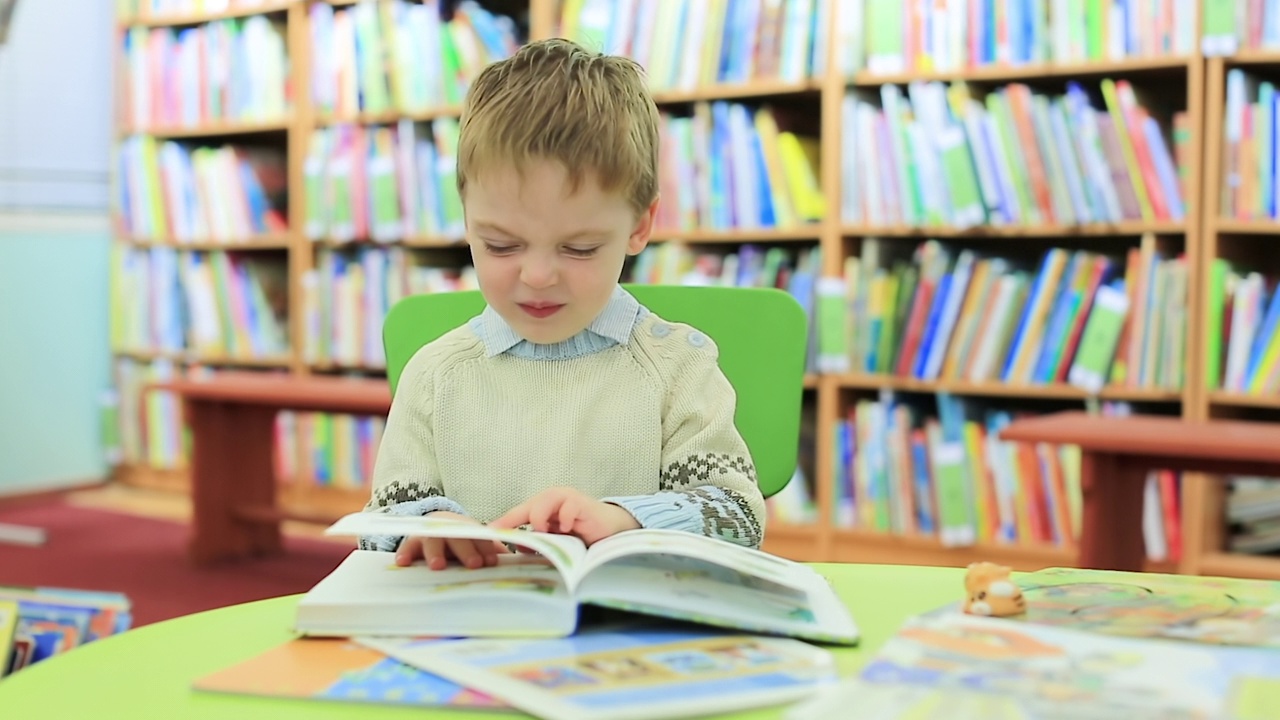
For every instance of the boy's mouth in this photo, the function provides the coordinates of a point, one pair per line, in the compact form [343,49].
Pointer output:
[541,310]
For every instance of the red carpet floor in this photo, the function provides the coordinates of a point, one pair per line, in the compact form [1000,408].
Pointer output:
[145,559]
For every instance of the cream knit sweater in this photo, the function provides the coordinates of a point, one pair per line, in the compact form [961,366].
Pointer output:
[645,422]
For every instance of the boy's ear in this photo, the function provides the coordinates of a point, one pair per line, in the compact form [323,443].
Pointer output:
[643,229]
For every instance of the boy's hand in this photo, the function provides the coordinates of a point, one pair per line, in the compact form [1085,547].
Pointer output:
[437,551]
[567,511]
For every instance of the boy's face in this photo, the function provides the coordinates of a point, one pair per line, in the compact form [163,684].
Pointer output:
[547,259]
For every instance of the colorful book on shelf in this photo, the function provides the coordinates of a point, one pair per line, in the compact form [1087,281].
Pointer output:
[661,573]
[627,671]
[336,669]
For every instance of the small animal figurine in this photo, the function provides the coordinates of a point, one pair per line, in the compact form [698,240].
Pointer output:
[989,591]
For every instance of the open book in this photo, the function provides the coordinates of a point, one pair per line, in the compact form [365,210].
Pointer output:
[663,573]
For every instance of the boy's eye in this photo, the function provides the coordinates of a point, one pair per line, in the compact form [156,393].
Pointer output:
[581,252]
[499,249]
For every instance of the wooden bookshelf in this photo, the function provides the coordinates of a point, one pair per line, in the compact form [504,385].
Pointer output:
[995,389]
[1135,66]
[1055,232]
[237,10]
[1201,234]
[220,129]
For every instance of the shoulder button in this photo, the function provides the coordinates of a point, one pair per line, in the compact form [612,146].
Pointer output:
[660,330]
[697,339]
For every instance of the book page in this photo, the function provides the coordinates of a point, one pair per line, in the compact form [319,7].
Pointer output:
[564,552]
[629,672]
[689,577]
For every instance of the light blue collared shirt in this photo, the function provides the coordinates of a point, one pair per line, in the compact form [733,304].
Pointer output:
[613,326]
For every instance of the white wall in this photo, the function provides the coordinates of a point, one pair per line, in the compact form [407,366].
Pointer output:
[55,106]
[55,135]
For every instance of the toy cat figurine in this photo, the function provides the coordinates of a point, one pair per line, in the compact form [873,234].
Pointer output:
[989,591]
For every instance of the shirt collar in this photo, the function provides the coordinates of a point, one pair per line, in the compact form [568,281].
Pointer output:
[615,322]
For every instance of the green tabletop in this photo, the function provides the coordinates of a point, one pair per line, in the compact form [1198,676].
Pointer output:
[148,672]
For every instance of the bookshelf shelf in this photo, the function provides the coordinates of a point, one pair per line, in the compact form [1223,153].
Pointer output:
[197,359]
[391,117]
[1161,227]
[1163,65]
[236,11]
[226,128]
[260,242]
[1223,398]
[869,546]
[1240,565]
[1246,58]
[755,89]
[1247,227]
[999,389]
[738,235]
[417,241]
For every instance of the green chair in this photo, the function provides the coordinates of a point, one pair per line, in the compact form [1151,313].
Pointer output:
[761,333]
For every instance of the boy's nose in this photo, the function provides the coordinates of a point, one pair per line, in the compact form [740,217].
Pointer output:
[538,275]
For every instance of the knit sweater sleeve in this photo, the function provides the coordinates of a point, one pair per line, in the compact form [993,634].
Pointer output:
[707,481]
[406,480]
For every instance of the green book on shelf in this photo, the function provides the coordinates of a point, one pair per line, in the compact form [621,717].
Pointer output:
[833,350]
[1097,348]
[1218,23]
[1213,331]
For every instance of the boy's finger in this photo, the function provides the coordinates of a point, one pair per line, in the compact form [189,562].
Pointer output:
[488,553]
[513,518]
[540,514]
[569,512]
[465,550]
[433,551]
[410,549]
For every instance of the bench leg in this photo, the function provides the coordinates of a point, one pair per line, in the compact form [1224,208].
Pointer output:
[1111,521]
[232,466]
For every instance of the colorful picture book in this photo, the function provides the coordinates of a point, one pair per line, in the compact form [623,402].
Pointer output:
[1211,610]
[661,573]
[336,669]
[37,623]
[627,672]
[954,665]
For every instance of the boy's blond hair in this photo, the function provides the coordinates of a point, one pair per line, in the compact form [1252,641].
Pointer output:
[555,100]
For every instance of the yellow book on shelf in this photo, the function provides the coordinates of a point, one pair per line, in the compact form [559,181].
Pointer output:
[767,129]
[800,162]
[974,453]
[709,61]
[1124,134]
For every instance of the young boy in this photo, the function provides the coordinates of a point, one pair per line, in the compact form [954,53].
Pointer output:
[565,406]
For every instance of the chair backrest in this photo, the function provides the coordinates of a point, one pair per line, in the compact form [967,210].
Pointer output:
[761,334]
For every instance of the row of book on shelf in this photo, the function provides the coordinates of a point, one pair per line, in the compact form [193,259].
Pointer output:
[224,70]
[933,156]
[735,41]
[687,45]
[941,154]
[950,36]
[389,183]
[1251,187]
[905,470]
[1080,317]
[402,56]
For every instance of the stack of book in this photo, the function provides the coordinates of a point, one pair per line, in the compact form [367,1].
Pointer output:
[37,623]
